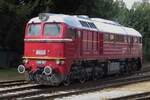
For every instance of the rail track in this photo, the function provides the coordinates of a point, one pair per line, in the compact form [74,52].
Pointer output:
[139,96]
[12,83]
[102,85]
[37,92]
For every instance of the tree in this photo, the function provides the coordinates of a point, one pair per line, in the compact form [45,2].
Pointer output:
[10,26]
[122,14]
[93,8]
[139,19]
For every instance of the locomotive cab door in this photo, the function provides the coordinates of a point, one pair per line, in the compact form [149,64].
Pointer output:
[71,47]
[79,42]
[130,44]
[100,43]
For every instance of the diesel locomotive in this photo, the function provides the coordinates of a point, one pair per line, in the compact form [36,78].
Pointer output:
[60,48]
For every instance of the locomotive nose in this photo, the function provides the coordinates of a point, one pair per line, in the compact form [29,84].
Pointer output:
[21,69]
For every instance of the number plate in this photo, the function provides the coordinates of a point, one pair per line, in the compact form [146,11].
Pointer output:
[40,52]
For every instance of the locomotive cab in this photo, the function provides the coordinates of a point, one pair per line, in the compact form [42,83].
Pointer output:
[44,50]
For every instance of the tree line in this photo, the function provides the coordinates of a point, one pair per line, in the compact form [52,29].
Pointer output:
[14,14]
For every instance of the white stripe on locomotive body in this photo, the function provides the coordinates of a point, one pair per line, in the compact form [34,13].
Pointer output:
[102,25]
[48,40]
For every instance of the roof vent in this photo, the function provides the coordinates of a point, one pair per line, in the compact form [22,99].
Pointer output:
[83,16]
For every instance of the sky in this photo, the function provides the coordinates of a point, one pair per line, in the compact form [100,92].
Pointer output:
[129,3]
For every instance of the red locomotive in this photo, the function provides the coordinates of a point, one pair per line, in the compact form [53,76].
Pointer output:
[60,48]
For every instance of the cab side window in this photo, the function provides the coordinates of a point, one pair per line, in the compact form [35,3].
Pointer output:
[140,40]
[71,33]
[112,37]
[109,37]
[106,37]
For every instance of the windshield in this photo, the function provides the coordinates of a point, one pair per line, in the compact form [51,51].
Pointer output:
[34,30]
[52,30]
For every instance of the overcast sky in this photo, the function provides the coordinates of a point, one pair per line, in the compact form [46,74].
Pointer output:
[129,3]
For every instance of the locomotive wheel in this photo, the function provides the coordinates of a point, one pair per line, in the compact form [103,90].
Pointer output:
[67,81]
[135,66]
[95,76]
[37,77]
[29,76]
[82,79]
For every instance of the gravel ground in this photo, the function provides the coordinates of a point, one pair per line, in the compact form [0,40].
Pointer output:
[111,92]
[10,74]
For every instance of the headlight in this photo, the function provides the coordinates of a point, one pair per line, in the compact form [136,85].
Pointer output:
[58,61]
[40,62]
[62,62]
[25,61]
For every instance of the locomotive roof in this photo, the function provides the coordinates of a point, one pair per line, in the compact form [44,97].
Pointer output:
[72,21]
[83,22]
[114,27]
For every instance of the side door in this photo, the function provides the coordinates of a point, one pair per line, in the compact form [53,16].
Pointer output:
[79,43]
[130,44]
[100,39]
[71,46]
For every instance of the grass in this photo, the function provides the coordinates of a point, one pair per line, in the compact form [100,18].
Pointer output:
[10,74]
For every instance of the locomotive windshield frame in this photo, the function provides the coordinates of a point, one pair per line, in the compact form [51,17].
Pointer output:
[34,29]
[45,30]
[51,29]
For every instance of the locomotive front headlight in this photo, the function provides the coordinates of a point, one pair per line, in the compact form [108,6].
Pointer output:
[58,61]
[62,62]
[25,61]
[40,62]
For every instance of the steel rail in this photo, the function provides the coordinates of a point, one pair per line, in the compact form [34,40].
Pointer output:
[36,86]
[22,94]
[138,96]
[11,81]
[13,84]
